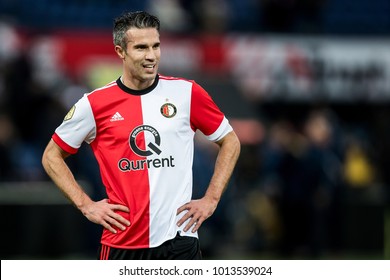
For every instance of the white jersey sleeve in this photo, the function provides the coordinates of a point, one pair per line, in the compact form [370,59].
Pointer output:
[79,125]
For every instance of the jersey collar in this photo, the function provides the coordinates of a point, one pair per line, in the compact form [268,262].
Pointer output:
[137,92]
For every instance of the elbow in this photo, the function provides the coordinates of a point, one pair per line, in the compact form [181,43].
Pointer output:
[51,156]
[45,160]
[233,144]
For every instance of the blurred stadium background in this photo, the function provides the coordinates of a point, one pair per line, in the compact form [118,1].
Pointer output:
[306,84]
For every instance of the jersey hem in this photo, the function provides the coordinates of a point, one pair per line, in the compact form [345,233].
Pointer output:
[142,246]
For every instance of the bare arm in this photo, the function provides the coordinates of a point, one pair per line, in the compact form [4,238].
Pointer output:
[201,209]
[101,212]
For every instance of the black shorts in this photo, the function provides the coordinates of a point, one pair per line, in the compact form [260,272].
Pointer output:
[178,248]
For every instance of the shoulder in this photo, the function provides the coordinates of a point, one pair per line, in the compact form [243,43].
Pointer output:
[104,89]
[175,79]
[192,85]
[100,95]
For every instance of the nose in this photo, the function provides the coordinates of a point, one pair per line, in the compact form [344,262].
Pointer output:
[151,54]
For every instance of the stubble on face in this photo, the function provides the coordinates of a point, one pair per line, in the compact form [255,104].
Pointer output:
[141,58]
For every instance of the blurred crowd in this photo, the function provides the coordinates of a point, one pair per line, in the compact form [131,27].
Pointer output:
[33,93]
[293,193]
[285,16]
[289,194]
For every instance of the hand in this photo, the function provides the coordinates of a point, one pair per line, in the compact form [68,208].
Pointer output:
[104,213]
[197,212]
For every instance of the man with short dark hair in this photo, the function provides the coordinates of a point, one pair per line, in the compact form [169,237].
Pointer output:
[141,129]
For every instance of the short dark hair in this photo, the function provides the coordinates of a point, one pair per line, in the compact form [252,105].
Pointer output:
[127,20]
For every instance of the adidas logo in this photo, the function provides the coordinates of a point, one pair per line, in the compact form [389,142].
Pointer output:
[117,117]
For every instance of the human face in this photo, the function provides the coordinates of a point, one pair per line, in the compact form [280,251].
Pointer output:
[141,57]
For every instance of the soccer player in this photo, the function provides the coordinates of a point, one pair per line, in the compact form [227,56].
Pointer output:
[141,129]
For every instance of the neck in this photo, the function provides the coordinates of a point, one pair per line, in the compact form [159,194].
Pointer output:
[135,91]
[136,84]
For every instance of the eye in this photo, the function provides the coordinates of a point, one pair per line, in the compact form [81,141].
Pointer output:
[140,47]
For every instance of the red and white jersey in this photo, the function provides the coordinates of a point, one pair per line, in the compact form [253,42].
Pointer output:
[143,142]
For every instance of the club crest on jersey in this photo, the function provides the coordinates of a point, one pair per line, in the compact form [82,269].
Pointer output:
[168,110]
[69,115]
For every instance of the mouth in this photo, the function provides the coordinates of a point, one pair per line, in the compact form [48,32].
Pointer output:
[149,67]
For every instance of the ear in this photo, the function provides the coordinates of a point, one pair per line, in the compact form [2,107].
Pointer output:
[120,52]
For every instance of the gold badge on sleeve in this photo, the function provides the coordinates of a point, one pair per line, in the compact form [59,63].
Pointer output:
[69,115]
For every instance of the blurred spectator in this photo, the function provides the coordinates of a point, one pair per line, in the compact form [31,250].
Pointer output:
[301,173]
[45,58]
[10,42]
[173,17]
[358,168]
[325,156]
[208,16]
[214,16]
